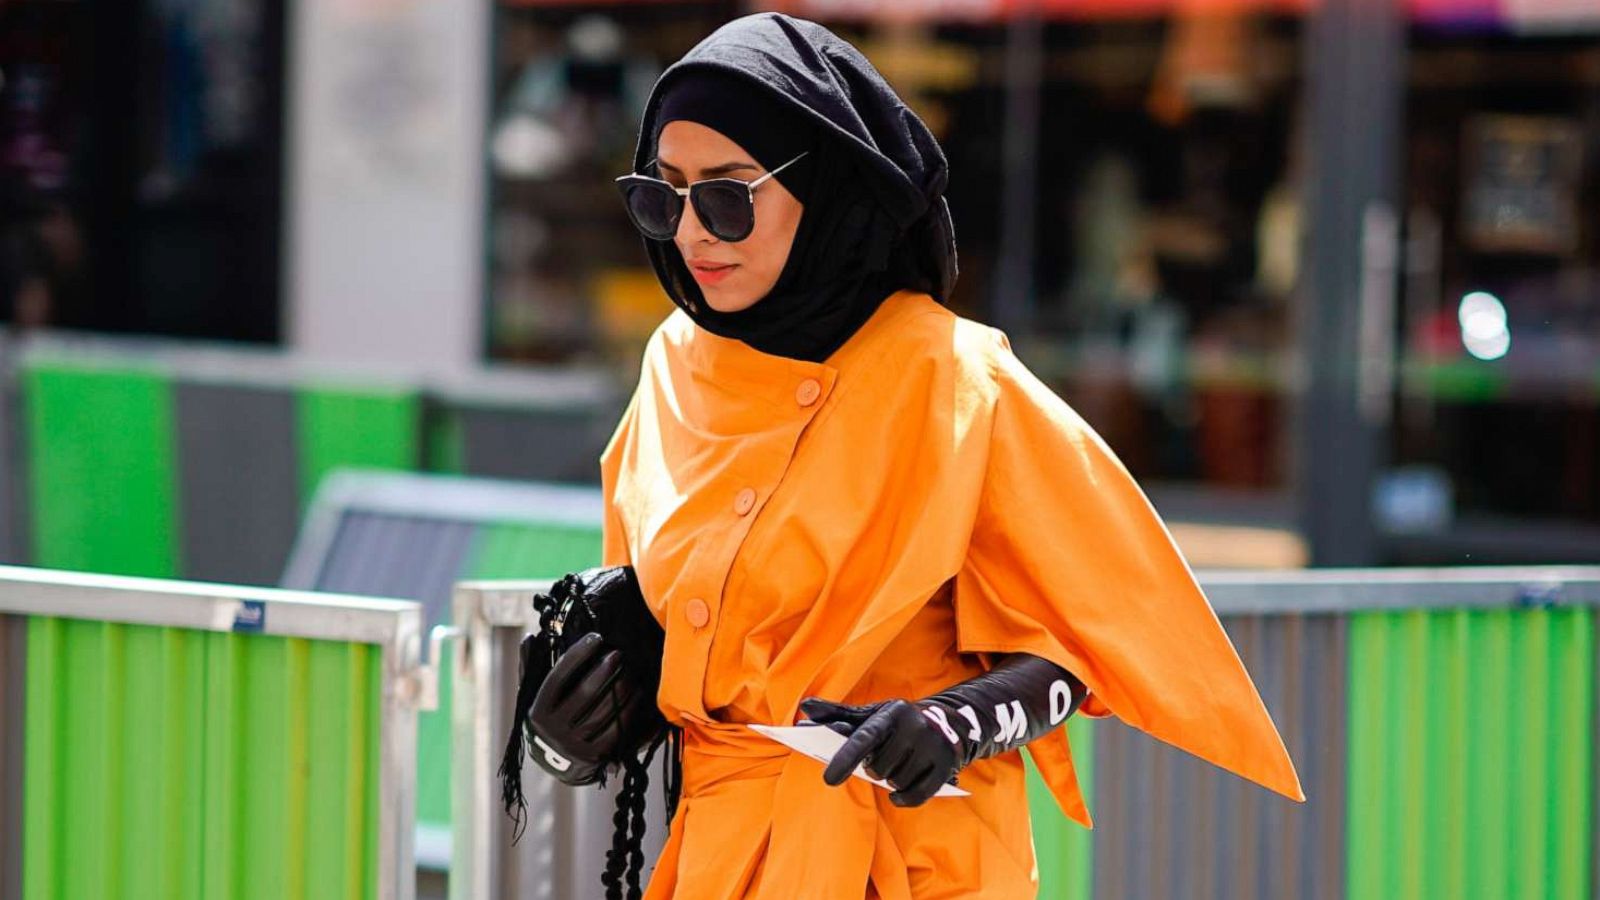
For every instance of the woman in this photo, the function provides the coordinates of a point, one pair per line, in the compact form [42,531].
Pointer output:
[845,503]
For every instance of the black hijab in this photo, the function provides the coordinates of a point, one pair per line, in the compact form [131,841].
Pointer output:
[875,217]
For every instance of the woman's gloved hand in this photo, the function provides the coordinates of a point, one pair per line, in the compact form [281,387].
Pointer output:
[582,710]
[919,746]
[895,741]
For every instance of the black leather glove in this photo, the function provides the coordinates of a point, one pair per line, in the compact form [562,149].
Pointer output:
[917,747]
[583,708]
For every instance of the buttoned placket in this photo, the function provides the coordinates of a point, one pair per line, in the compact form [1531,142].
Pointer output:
[700,598]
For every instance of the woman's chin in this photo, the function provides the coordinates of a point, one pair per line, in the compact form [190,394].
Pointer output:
[725,301]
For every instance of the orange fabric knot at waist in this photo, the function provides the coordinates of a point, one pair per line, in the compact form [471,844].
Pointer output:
[716,752]
[754,819]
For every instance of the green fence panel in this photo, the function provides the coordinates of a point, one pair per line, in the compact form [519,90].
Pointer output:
[113,725]
[1063,847]
[533,551]
[347,791]
[1469,752]
[170,763]
[348,427]
[100,453]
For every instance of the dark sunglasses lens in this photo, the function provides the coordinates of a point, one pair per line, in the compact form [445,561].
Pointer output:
[654,210]
[725,210]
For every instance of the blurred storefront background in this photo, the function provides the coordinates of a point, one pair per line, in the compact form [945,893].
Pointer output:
[1325,274]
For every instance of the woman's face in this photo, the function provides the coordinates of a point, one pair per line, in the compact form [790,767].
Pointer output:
[732,275]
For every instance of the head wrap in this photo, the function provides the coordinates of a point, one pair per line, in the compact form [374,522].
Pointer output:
[875,218]
[739,111]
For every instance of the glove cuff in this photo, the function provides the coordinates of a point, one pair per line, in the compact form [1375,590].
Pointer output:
[1021,699]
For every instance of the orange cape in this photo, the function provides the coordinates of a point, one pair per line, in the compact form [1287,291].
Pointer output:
[875,526]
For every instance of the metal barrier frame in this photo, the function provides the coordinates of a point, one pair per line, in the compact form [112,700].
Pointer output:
[395,626]
[12,671]
[484,612]
[494,614]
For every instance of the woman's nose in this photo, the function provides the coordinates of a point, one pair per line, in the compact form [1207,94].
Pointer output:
[689,228]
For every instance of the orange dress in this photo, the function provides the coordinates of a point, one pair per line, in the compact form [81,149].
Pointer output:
[876,526]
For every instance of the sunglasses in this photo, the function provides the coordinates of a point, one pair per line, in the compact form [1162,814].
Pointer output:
[726,206]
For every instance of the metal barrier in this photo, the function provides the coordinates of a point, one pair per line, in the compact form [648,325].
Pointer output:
[12,646]
[1443,723]
[189,740]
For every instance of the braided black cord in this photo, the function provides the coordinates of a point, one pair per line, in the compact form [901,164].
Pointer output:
[637,781]
[617,857]
[625,859]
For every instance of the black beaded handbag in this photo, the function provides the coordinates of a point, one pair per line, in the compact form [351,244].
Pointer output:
[606,601]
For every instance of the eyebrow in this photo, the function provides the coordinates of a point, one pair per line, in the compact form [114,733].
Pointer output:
[711,171]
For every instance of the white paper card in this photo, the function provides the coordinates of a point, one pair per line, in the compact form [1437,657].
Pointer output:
[820,743]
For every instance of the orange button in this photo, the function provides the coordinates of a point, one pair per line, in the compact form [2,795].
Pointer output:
[808,392]
[744,502]
[697,612]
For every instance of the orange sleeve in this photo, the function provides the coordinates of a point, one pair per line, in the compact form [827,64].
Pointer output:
[1069,561]
[613,536]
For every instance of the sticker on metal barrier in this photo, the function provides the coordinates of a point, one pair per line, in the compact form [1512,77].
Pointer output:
[1539,596]
[252,616]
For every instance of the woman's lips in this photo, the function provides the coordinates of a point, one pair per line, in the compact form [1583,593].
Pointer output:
[711,275]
